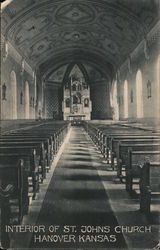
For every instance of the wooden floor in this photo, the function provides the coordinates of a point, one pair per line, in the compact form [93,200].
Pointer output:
[81,190]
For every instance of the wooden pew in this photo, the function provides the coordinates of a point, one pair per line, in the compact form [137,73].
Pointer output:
[11,125]
[5,213]
[123,149]
[92,131]
[30,144]
[107,139]
[30,138]
[18,139]
[14,174]
[103,138]
[31,165]
[144,126]
[25,149]
[114,146]
[125,127]
[41,136]
[131,158]
[112,140]
[109,142]
[149,185]
[48,131]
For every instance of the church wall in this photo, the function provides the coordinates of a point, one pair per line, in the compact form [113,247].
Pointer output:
[6,105]
[148,69]
[99,90]
[100,101]
[52,103]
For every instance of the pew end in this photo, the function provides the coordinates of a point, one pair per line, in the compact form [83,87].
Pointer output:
[149,186]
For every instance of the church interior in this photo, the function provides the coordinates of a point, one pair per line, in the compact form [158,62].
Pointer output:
[80,124]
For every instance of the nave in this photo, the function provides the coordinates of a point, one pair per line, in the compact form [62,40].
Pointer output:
[81,189]
[74,189]
[80,123]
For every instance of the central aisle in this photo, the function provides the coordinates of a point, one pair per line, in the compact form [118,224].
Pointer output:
[76,197]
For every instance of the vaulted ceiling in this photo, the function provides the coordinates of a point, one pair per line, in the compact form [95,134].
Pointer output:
[91,73]
[101,33]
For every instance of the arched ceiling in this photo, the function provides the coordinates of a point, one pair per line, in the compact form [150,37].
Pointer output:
[51,33]
[92,74]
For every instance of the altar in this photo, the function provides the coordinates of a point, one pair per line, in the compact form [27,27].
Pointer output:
[76,103]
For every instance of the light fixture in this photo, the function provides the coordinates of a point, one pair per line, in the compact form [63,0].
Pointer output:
[76,36]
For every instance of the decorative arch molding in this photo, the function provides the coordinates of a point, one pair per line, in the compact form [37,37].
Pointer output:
[13,82]
[84,56]
[125,99]
[114,101]
[58,65]
[27,101]
[158,75]
[69,69]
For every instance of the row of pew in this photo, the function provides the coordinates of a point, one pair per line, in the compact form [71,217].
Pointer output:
[135,156]
[26,156]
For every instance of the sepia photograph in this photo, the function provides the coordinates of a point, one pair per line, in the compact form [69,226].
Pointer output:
[80,125]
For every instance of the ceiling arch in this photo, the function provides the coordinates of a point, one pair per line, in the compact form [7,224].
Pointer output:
[59,76]
[69,69]
[77,56]
[105,32]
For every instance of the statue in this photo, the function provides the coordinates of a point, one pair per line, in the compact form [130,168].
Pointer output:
[21,98]
[4,92]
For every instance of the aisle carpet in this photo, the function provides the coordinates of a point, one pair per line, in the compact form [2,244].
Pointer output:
[76,197]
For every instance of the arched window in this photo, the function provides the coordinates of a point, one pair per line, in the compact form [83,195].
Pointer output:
[158,86]
[139,94]
[115,102]
[26,100]
[13,95]
[125,99]
[111,99]
[149,89]
[67,103]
